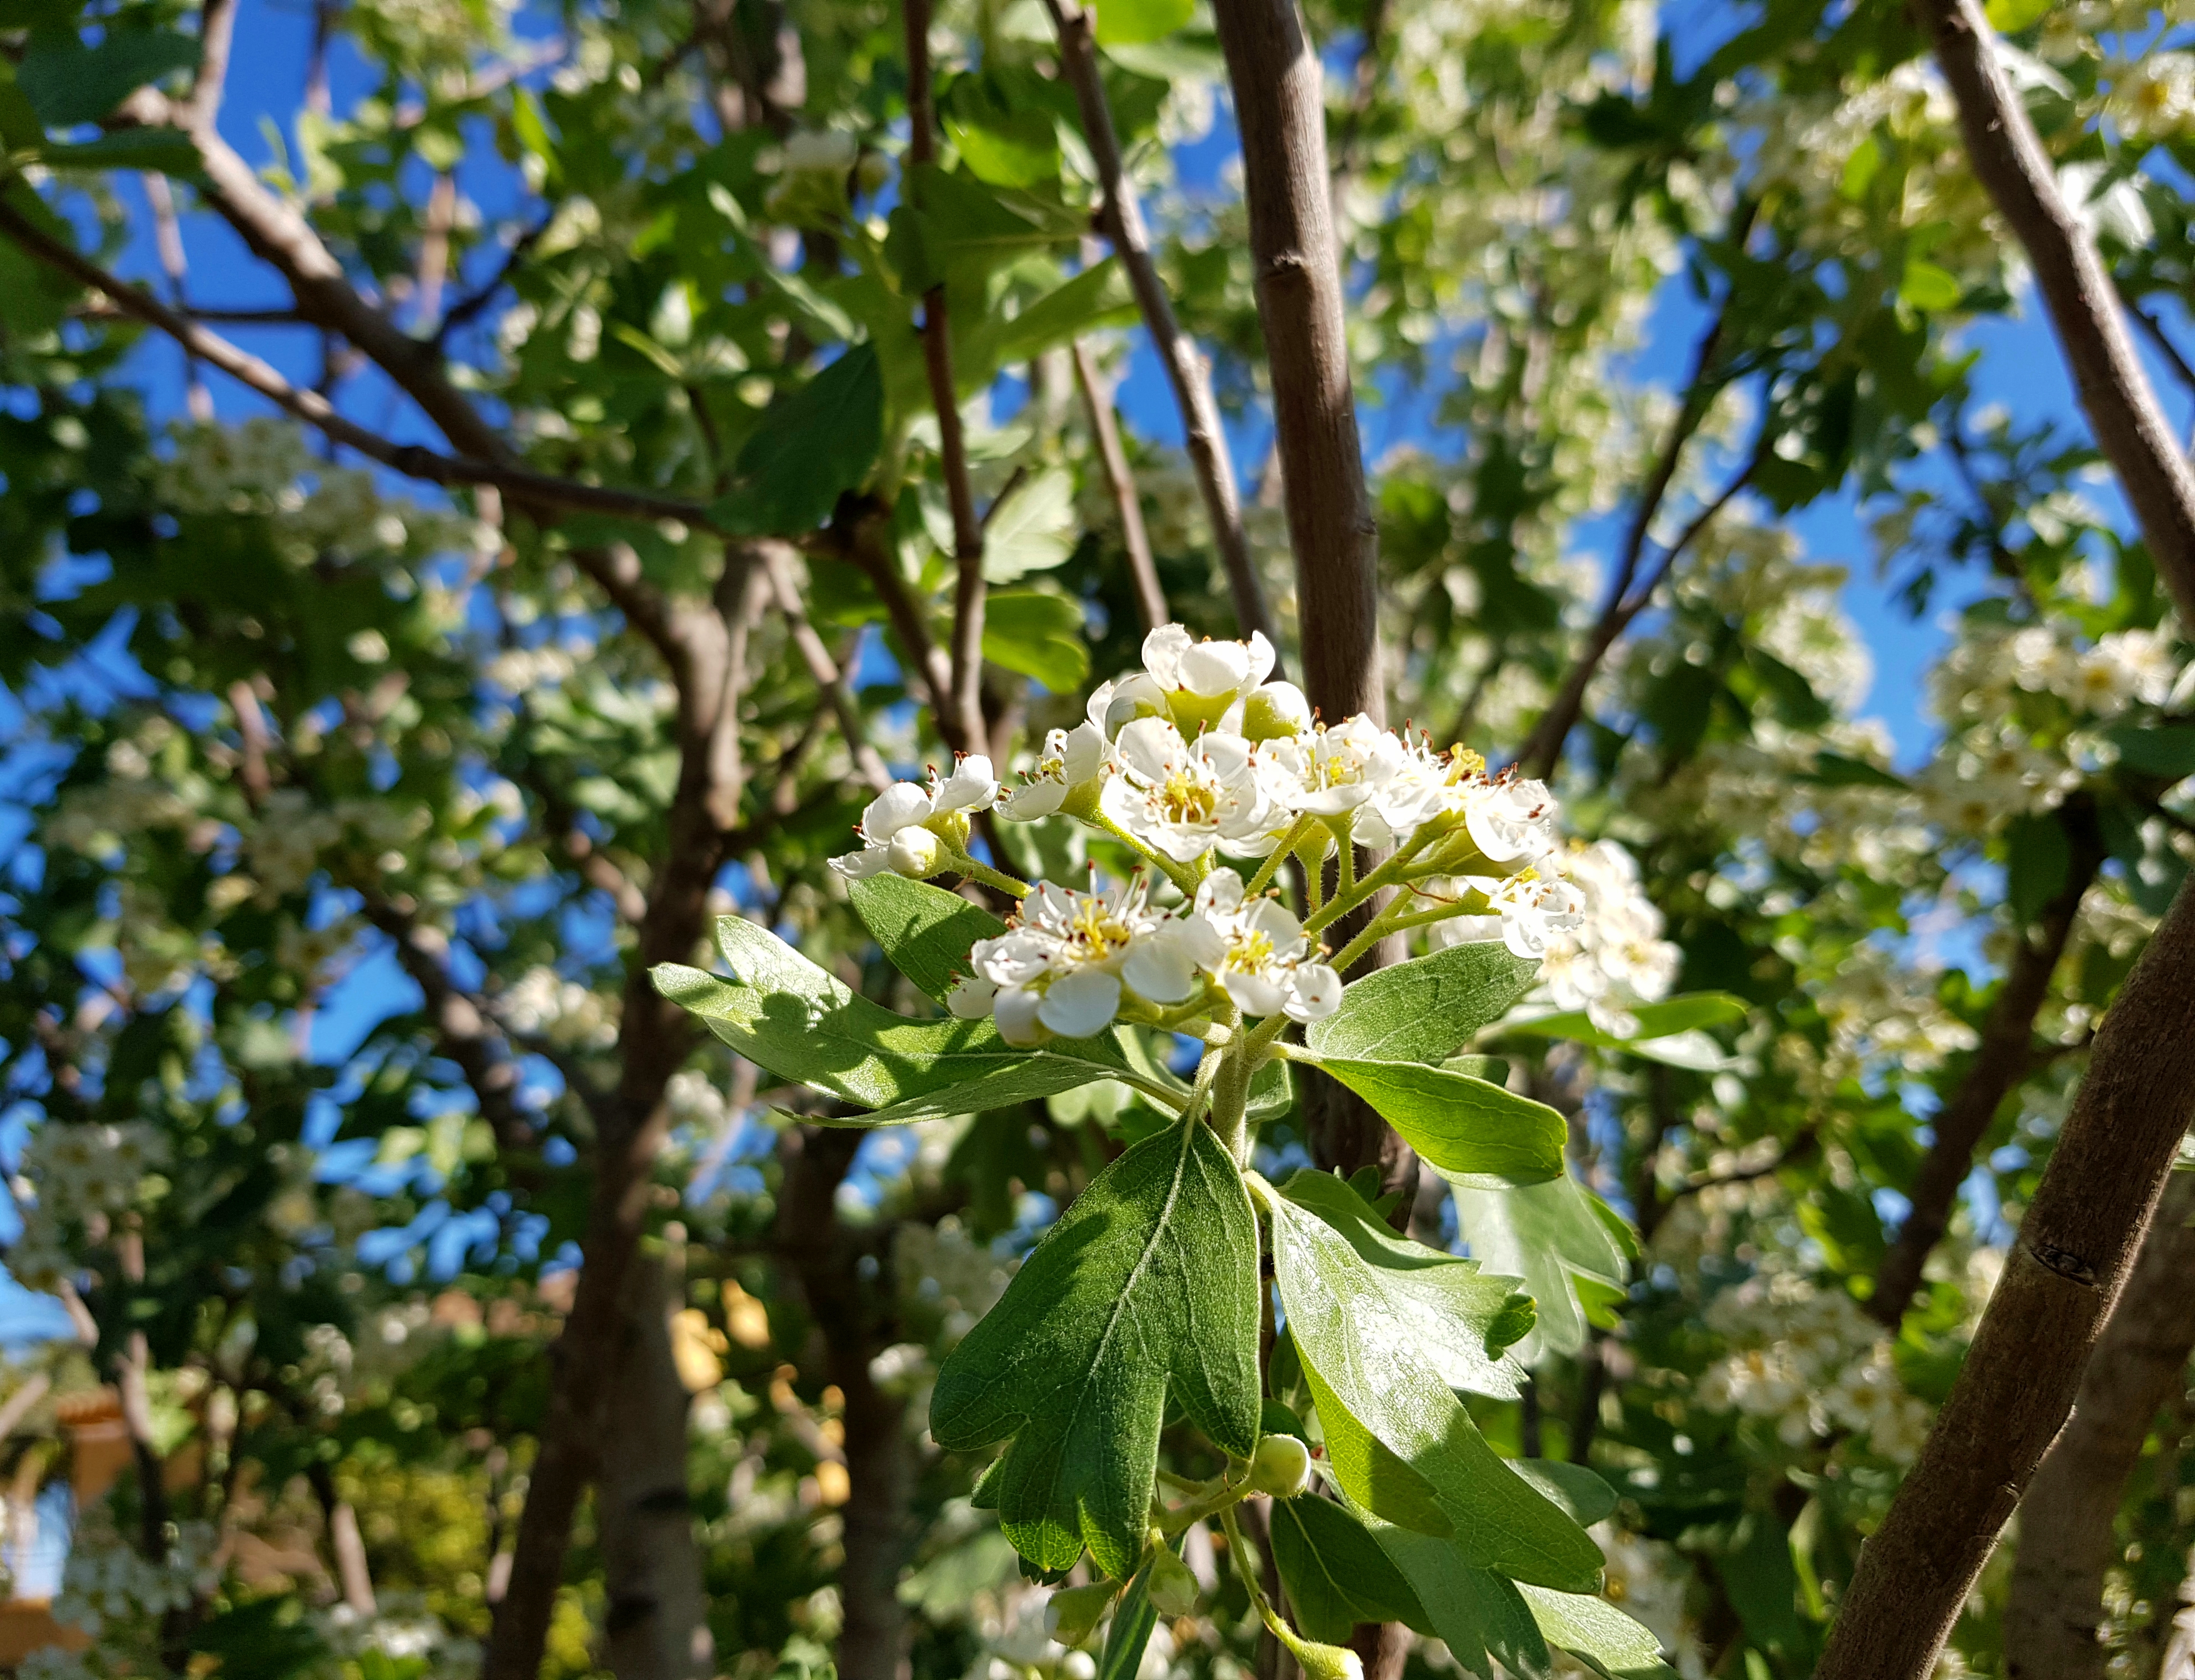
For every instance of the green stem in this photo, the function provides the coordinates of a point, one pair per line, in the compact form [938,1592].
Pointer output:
[960,863]
[1219,1502]
[1388,874]
[1288,843]
[1344,863]
[1239,1551]
[1231,1095]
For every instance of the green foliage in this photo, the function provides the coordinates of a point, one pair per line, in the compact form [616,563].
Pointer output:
[1145,1291]
[1572,1252]
[1472,1132]
[1425,1009]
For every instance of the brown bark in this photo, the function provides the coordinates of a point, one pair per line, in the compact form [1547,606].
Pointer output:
[2019,1379]
[853,1313]
[2066,1522]
[2008,159]
[1280,102]
[656,1625]
[1105,429]
[1123,221]
[2001,1061]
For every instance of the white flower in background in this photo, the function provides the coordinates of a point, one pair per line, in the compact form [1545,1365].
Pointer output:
[1181,798]
[1616,958]
[89,1168]
[1071,758]
[1256,951]
[1528,911]
[2123,668]
[1063,964]
[543,1004]
[898,830]
[1195,683]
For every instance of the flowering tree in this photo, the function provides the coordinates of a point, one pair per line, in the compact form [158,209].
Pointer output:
[525,1198]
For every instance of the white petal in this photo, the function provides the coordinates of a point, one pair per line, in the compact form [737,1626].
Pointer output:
[1271,918]
[1181,843]
[914,853]
[1317,993]
[899,806]
[1215,667]
[1079,1004]
[1261,660]
[1151,747]
[1082,753]
[1228,756]
[1038,799]
[972,786]
[862,864]
[970,999]
[1016,1013]
[1162,651]
[1254,993]
[1158,967]
[1221,893]
[1203,942]
[1276,711]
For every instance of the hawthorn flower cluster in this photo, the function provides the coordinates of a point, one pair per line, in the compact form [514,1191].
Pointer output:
[1200,755]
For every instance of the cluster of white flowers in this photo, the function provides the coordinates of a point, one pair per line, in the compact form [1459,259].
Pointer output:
[107,1580]
[541,1003]
[2118,669]
[1811,1359]
[1200,753]
[1070,960]
[1606,955]
[264,466]
[90,1168]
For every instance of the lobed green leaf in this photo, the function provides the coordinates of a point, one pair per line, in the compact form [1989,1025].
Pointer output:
[1147,1288]
[1426,1009]
[1573,1253]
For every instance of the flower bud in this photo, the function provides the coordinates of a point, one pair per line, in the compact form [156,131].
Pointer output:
[1075,1612]
[1278,712]
[913,853]
[1171,1588]
[1326,1662]
[1281,1466]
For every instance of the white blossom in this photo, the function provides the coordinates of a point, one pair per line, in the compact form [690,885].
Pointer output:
[1071,760]
[1064,964]
[899,828]
[1257,951]
[1181,798]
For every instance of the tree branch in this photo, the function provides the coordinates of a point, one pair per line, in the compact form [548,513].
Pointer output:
[1543,749]
[2008,159]
[1122,217]
[777,559]
[2001,1061]
[859,541]
[2067,1540]
[1279,101]
[2018,1381]
[1142,570]
[966,700]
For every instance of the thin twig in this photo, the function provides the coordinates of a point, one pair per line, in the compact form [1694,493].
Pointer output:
[1122,218]
[1142,570]
[834,682]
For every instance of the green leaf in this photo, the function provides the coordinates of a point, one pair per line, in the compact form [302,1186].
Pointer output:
[1555,1237]
[2166,751]
[1058,1065]
[1468,1130]
[1033,530]
[811,445]
[1368,1378]
[1670,1030]
[2009,17]
[1446,1306]
[165,151]
[1004,136]
[1335,1574]
[1039,635]
[1099,297]
[1577,1489]
[1597,1633]
[1833,769]
[788,1015]
[1473,1611]
[923,931]
[1125,22]
[1133,1619]
[1147,1288]
[2038,855]
[1426,1009]
[1928,287]
[76,84]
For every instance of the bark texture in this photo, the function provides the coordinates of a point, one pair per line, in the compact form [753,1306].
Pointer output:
[2001,1061]
[2067,1522]
[2009,161]
[852,1313]
[656,1625]
[2018,1383]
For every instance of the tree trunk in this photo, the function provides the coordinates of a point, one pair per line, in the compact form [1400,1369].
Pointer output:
[852,1314]
[2067,1521]
[2019,1379]
[656,1626]
[2000,1062]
